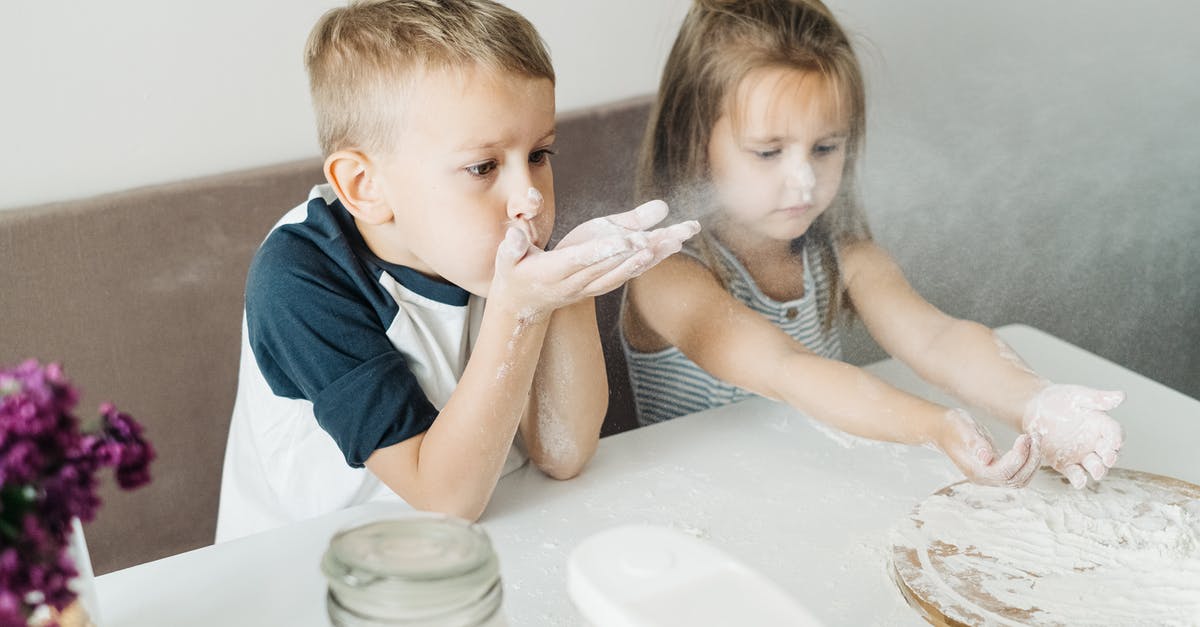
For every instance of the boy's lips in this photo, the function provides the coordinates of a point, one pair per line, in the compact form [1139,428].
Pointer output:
[529,229]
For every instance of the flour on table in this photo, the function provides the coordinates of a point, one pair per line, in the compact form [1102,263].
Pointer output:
[1125,551]
[845,440]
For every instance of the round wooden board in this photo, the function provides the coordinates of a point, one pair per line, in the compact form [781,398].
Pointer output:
[956,598]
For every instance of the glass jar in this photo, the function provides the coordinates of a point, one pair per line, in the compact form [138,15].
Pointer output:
[416,570]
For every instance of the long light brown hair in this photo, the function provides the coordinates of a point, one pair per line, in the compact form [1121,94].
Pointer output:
[719,44]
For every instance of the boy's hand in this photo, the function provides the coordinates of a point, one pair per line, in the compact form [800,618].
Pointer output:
[1077,434]
[631,226]
[968,444]
[595,257]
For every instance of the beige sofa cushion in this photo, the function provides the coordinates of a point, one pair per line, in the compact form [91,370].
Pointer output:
[139,296]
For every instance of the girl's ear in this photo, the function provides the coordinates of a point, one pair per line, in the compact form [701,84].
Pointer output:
[351,173]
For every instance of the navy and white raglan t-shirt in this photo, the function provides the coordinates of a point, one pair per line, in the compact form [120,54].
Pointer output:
[342,354]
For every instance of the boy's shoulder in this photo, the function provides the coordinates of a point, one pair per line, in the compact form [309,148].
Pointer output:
[309,260]
[315,257]
[315,243]
[308,228]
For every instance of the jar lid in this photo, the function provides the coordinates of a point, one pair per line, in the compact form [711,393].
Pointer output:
[413,562]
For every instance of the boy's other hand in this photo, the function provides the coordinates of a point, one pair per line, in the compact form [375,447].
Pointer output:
[968,444]
[596,257]
[651,246]
[633,226]
[1079,438]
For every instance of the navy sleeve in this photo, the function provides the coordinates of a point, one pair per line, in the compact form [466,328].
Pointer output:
[317,335]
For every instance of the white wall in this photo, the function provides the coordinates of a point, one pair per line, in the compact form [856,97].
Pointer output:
[104,96]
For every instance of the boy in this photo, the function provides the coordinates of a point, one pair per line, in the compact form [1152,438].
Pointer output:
[370,366]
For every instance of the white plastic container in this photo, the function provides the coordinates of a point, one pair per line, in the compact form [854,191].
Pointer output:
[646,576]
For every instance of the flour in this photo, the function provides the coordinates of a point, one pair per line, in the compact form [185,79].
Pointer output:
[1008,354]
[534,198]
[846,440]
[555,434]
[592,253]
[510,350]
[1124,552]
[804,179]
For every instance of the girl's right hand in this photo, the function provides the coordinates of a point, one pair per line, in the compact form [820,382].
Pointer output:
[1077,431]
[596,257]
[968,444]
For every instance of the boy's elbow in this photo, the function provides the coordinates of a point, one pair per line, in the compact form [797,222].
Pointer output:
[564,465]
[562,472]
[468,511]
[564,446]
[469,514]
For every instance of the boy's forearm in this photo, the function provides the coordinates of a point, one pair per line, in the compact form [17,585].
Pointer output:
[971,362]
[570,393]
[461,456]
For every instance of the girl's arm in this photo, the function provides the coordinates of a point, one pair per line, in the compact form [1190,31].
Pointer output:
[962,357]
[569,395]
[971,362]
[683,303]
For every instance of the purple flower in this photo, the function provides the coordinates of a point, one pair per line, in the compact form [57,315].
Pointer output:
[48,476]
[56,586]
[10,563]
[11,614]
[103,451]
[136,453]
[20,462]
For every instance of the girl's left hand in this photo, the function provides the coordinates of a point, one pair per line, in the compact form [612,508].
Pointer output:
[969,445]
[1077,434]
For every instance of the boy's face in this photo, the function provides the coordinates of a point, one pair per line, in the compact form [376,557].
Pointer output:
[470,144]
[778,154]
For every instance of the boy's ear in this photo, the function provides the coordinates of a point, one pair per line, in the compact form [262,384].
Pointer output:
[352,175]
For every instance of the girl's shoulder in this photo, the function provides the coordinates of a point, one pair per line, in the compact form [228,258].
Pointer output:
[681,269]
[861,259]
[678,285]
[678,293]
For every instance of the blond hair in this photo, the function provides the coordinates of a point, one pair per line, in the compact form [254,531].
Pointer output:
[360,59]
[719,44]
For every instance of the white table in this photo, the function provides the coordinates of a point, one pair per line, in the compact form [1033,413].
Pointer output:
[757,479]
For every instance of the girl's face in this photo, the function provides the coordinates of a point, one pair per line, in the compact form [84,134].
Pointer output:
[777,153]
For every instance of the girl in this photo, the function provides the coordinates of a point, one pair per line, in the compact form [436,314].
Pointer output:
[759,121]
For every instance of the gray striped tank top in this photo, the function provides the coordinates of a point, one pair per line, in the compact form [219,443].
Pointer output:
[667,384]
